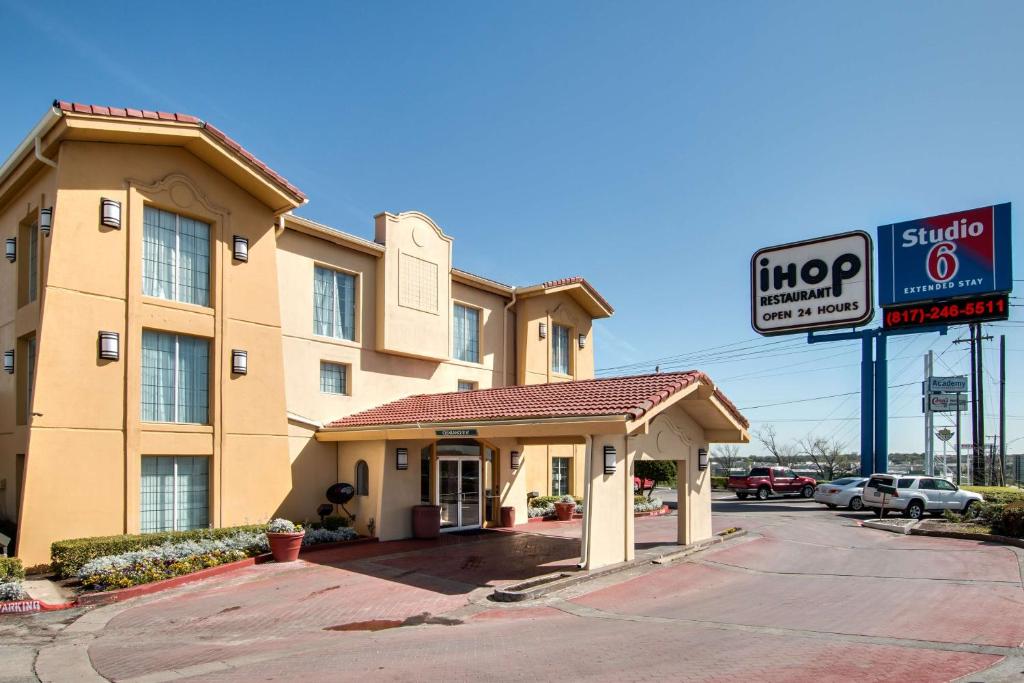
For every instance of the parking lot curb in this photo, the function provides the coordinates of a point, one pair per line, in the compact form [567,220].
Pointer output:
[903,527]
[966,536]
[539,586]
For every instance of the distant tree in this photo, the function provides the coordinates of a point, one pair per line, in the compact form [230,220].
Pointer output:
[781,452]
[828,457]
[726,456]
[658,471]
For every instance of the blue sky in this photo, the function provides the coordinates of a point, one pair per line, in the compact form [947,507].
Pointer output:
[651,147]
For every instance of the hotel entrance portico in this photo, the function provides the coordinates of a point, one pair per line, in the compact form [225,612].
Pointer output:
[671,416]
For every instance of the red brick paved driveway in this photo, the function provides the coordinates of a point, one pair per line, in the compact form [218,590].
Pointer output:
[810,596]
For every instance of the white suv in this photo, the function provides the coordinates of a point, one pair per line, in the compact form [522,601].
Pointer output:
[916,495]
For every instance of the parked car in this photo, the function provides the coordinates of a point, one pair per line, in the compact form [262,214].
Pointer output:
[766,481]
[640,486]
[846,492]
[916,495]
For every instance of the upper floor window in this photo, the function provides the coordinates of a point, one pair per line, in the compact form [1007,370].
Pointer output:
[466,385]
[175,378]
[333,378]
[33,262]
[466,342]
[175,257]
[334,303]
[560,336]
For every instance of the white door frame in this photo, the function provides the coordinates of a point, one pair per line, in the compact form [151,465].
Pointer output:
[480,491]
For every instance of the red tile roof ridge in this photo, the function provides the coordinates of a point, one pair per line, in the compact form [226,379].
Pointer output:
[629,395]
[223,138]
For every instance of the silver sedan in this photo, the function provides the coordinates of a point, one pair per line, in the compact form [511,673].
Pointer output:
[845,492]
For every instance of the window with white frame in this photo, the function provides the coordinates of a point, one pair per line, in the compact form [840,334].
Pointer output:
[33,262]
[334,303]
[175,378]
[560,336]
[175,257]
[175,493]
[466,337]
[333,378]
[466,385]
[559,476]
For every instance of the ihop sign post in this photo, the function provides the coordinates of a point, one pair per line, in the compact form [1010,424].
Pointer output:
[951,256]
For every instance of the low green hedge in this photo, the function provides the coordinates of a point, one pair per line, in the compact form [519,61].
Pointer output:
[67,557]
[998,494]
[545,501]
[719,482]
[11,569]
[1011,521]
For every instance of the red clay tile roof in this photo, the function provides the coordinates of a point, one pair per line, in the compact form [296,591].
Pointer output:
[630,397]
[125,113]
[581,281]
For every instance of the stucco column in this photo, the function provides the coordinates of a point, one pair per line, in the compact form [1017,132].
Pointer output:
[683,495]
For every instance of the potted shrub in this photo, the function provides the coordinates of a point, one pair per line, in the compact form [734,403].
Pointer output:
[565,507]
[285,539]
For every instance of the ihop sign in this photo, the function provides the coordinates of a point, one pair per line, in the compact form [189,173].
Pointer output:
[943,257]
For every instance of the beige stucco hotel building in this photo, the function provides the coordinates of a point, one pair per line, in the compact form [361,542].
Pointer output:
[181,350]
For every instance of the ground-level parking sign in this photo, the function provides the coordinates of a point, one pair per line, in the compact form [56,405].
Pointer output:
[816,284]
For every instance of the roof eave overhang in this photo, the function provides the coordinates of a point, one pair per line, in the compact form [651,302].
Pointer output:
[531,428]
[580,293]
[309,227]
[477,282]
[190,136]
[720,425]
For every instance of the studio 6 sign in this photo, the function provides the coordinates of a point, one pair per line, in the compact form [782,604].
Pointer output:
[817,284]
[942,257]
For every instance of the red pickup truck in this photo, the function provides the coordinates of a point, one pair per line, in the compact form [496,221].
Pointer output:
[765,481]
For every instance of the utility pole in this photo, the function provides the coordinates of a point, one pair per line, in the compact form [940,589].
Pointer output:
[929,418]
[979,441]
[1001,480]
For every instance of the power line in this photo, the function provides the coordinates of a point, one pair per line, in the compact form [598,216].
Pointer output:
[817,398]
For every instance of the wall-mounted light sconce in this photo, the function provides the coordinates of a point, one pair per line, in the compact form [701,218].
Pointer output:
[583,341]
[609,459]
[515,460]
[702,458]
[543,330]
[239,362]
[110,345]
[240,248]
[9,362]
[11,249]
[402,459]
[46,221]
[110,213]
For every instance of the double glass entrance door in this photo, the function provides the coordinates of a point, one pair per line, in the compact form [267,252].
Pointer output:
[458,492]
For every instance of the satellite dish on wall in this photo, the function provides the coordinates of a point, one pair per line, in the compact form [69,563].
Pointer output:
[340,493]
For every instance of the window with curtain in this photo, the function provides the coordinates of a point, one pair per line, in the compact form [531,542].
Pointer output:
[559,476]
[560,336]
[175,378]
[333,378]
[175,257]
[30,377]
[466,337]
[334,303]
[175,493]
[362,478]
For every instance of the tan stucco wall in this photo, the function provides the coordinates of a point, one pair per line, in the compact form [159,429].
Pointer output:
[534,353]
[375,377]
[94,282]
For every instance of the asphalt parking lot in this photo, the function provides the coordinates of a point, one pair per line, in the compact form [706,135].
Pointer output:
[807,595]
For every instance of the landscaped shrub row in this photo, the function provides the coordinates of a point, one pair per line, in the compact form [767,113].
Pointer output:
[11,569]
[184,557]
[67,557]
[646,505]
[11,574]
[1000,495]
[719,482]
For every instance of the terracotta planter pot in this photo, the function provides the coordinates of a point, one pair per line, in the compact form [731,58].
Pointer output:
[285,547]
[564,511]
